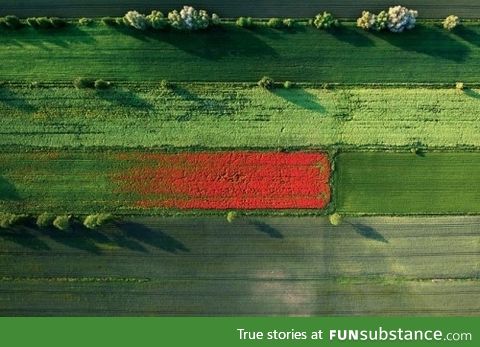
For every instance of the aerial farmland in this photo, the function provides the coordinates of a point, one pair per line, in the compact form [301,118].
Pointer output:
[239,158]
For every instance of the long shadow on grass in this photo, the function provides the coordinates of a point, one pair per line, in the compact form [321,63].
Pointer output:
[42,38]
[428,40]
[472,93]
[124,98]
[25,238]
[75,238]
[368,232]
[267,229]
[11,99]
[352,36]
[468,35]
[210,44]
[8,190]
[202,105]
[301,98]
[155,238]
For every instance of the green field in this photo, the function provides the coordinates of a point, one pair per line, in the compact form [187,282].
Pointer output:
[267,266]
[257,8]
[348,55]
[236,116]
[399,183]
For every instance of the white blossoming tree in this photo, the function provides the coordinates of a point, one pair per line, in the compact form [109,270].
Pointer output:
[401,18]
[190,19]
[451,22]
[135,20]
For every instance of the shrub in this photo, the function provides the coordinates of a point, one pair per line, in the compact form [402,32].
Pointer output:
[8,219]
[245,22]
[288,23]
[401,18]
[216,20]
[85,21]
[266,82]
[93,221]
[451,22]
[164,84]
[231,216]
[275,23]
[44,23]
[45,220]
[101,84]
[12,22]
[325,20]
[62,222]
[58,22]
[109,21]
[32,22]
[370,21]
[189,19]
[83,82]
[459,86]
[287,85]
[335,219]
[119,21]
[156,20]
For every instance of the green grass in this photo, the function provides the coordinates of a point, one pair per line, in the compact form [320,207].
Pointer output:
[350,55]
[399,183]
[236,116]
[259,266]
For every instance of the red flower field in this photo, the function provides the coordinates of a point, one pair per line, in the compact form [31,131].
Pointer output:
[229,180]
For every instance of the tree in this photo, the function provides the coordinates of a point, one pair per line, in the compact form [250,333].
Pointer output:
[101,84]
[245,22]
[45,220]
[401,18]
[231,216]
[156,20]
[335,219]
[275,23]
[135,20]
[83,82]
[8,220]
[266,82]
[94,221]
[62,222]
[12,22]
[451,22]
[325,20]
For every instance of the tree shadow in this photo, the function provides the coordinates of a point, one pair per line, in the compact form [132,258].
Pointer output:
[368,232]
[472,93]
[8,190]
[22,236]
[73,239]
[63,37]
[209,106]
[352,36]
[267,229]
[124,98]
[11,99]
[301,98]
[428,40]
[210,44]
[467,35]
[155,238]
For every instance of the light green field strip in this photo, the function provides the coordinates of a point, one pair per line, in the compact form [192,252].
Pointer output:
[236,116]
[400,183]
[261,266]
[349,55]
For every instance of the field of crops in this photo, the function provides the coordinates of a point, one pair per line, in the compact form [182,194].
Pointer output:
[235,54]
[237,8]
[398,183]
[267,266]
[236,116]
[139,182]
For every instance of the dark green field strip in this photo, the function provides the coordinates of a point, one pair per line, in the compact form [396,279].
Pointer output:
[236,8]
[235,116]
[349,55]
[401,183]
[206,266]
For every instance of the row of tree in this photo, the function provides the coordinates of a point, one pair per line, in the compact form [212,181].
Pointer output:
[60,222]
